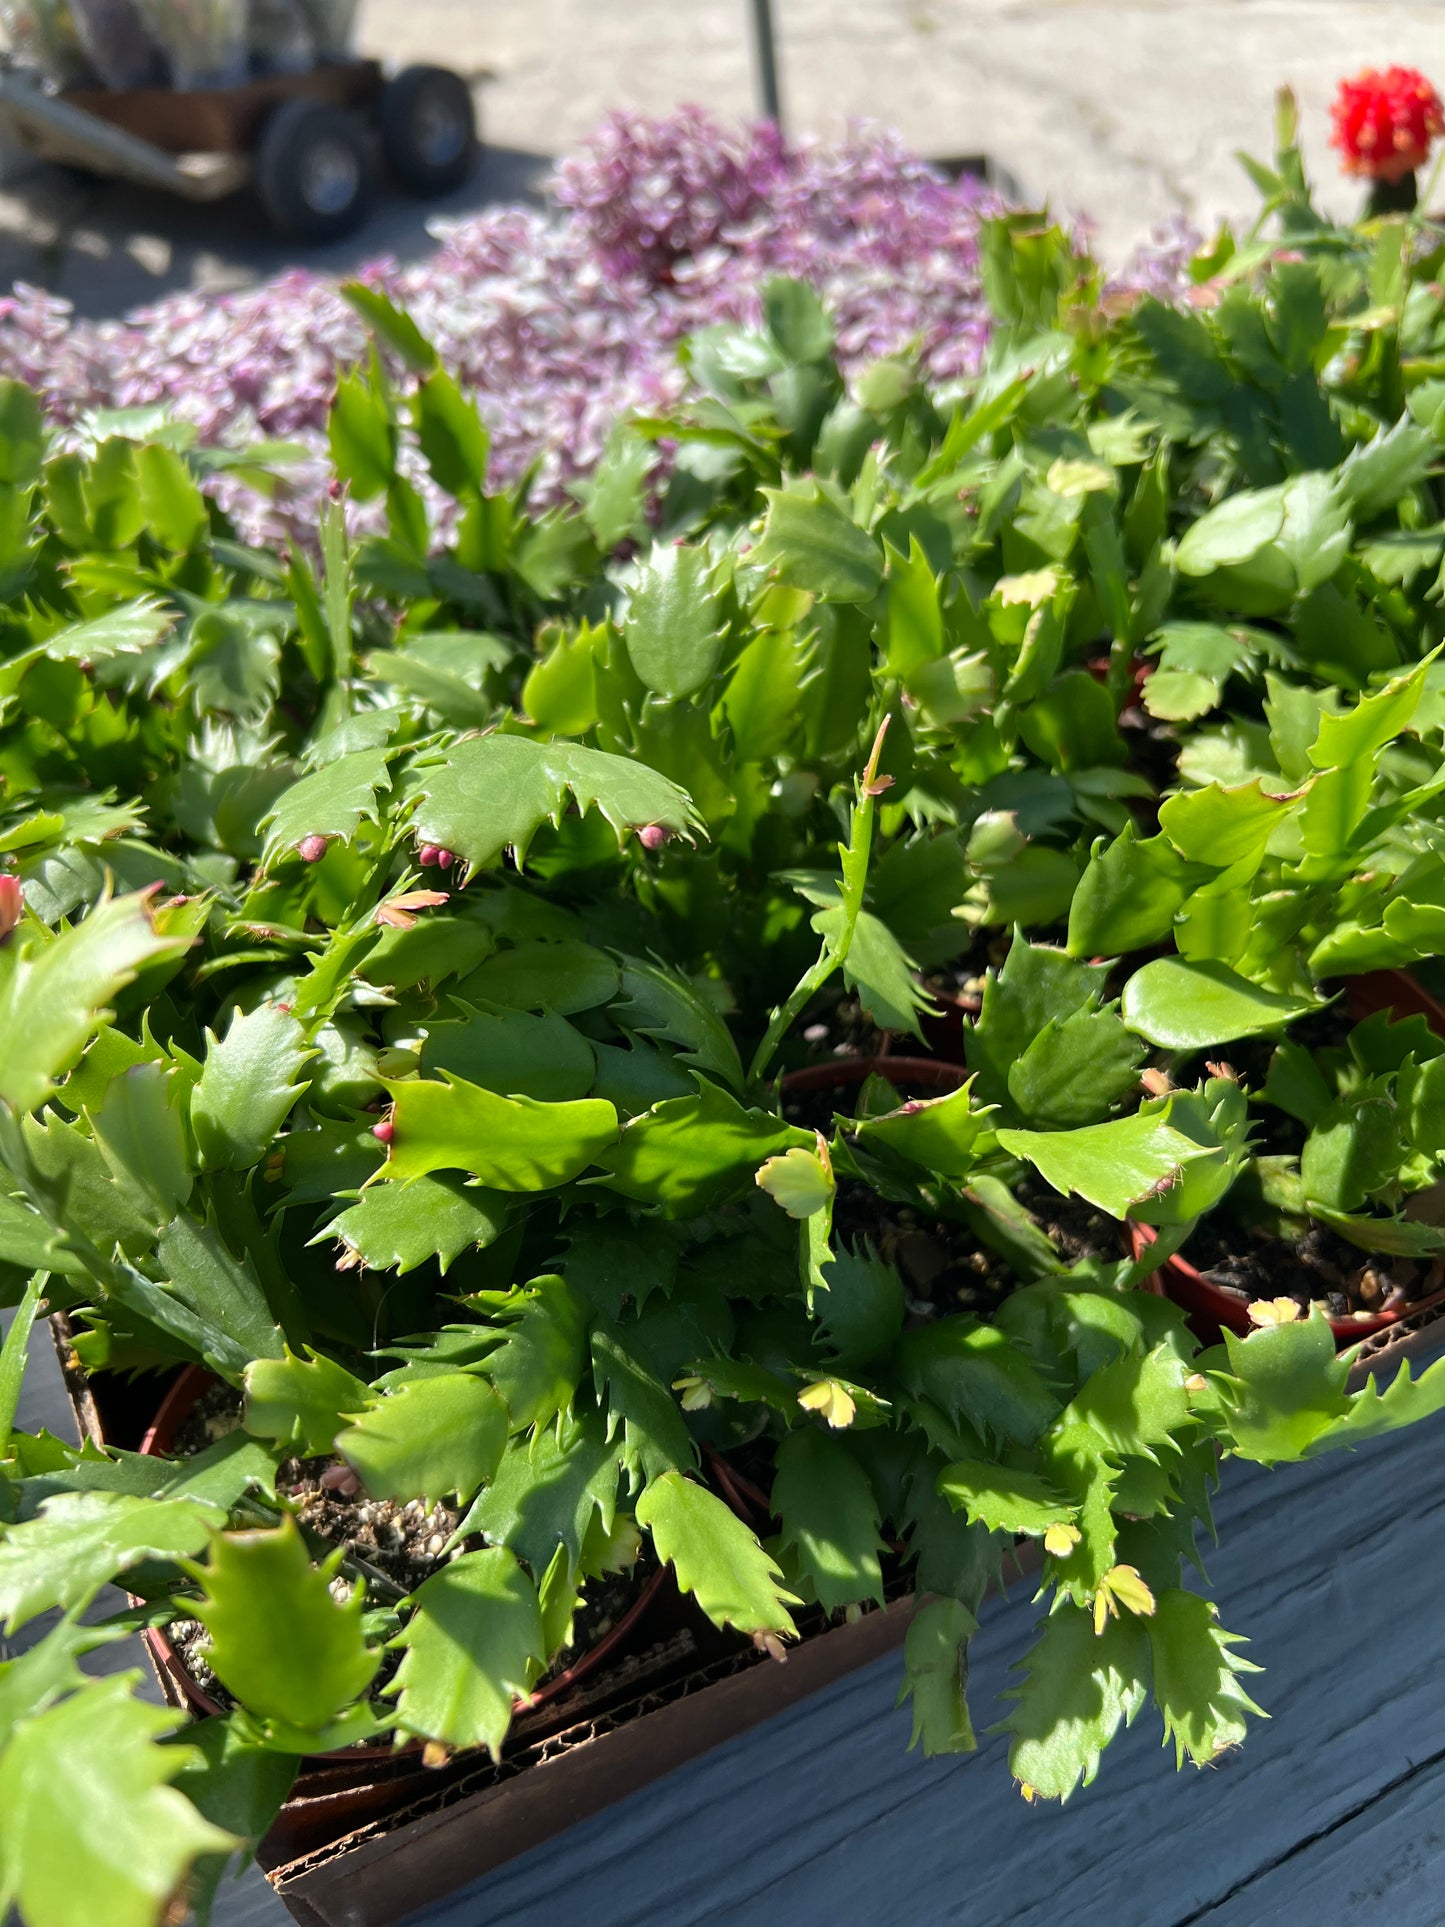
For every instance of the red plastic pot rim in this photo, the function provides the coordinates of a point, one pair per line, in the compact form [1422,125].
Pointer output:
[1399,995]
[176,1406]
[1193,1292]
[843,1071]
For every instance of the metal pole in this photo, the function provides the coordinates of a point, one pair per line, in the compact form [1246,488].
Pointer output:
[767,53]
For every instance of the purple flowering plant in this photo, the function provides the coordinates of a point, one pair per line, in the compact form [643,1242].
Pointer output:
[558,323]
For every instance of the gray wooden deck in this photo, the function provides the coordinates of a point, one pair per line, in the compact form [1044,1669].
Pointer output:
[1332,1816]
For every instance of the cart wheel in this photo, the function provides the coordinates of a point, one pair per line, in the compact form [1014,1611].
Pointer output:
[314,170]
[428,129]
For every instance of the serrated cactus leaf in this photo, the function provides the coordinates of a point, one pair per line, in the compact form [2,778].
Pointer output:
[1197,1684]
[675,626]
[1078,1688]
[433,1438]
[688,1152]
[330,803]
[93,1829]
[715,1556]
[258,1583]
[935,1672]
[1004,1498]
[248,1084]
[401,1226]
[473,1645]
[830,1518]
[495,792]
[300,1401]
[80,1540]
[54,991]
[510,1143]
[1112,1165]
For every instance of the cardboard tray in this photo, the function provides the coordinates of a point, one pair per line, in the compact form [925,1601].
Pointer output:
[382,1873]
[1418,1339]
[367,1849]
[374,1854]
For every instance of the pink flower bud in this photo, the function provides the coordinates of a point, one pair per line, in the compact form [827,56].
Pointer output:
[311,848]
[12,905]
[428,856]
[445,859]
[384,1132]
[342,1480]
[652,836]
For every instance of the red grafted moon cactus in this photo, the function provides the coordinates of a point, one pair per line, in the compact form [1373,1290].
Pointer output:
[1384,123]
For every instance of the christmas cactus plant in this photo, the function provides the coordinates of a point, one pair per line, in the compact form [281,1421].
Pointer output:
[405,939]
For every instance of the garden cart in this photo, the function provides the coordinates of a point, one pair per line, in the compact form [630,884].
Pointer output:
[309,138]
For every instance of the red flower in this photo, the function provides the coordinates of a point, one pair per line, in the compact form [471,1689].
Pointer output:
[1384,122]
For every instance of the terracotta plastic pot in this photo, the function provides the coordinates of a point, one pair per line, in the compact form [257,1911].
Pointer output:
[843,1072]
[1211,1310]
[1140,670]
[174,1409]
[1397,992]
[944,1033]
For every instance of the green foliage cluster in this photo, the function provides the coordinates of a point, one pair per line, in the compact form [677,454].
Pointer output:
[400,947]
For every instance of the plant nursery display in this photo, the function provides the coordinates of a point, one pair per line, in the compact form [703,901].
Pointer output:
[559,325]
[834,1011]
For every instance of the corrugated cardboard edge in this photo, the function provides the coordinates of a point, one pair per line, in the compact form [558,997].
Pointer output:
[385,1874]
[1413,1339]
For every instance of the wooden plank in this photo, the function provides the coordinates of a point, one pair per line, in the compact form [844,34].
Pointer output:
[822,1816]
[1382,1866]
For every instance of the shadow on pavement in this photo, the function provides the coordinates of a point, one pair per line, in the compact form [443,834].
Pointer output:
[108,247]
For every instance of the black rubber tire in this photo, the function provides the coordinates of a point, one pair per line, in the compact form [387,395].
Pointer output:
[428,129]
[315,170]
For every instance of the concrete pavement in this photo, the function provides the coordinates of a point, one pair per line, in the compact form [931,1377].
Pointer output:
[1124,109]
[1127,111]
